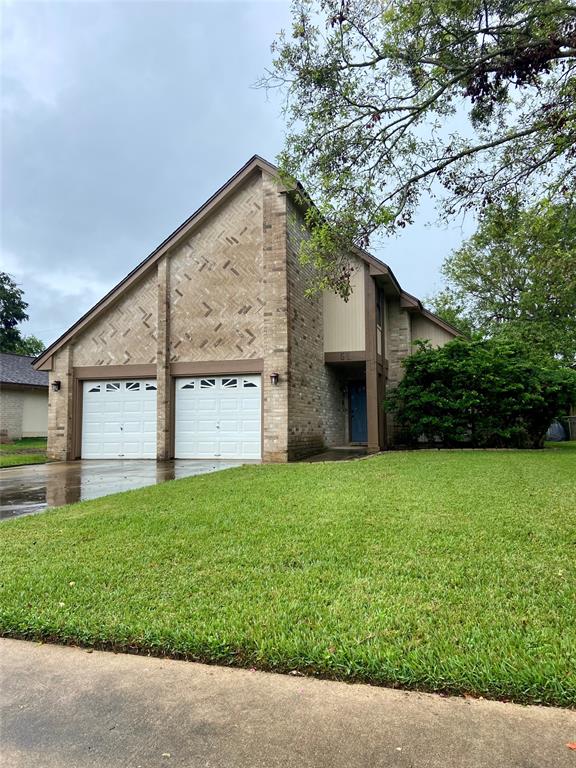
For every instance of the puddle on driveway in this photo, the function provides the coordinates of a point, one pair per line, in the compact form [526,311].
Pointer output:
[26,490]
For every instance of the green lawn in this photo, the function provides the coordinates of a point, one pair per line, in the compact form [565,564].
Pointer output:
[452,571]
[29,450]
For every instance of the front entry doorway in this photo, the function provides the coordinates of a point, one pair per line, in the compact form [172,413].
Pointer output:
[358,412]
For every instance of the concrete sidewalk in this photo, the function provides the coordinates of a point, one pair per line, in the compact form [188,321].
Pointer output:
[70,708]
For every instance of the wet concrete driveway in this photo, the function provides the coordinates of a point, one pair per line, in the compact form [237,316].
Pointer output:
[24,490]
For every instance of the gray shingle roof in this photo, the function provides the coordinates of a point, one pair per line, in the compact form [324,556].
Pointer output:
[17,369]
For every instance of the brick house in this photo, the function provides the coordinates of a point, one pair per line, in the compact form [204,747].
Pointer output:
[23,398]
[210,348]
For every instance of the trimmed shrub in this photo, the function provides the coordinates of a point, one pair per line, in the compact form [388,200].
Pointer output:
[480,394]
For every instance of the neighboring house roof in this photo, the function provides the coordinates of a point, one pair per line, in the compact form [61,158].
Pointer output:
[255,163]
[18,369]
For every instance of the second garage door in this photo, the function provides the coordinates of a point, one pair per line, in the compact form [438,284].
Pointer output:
[218,417]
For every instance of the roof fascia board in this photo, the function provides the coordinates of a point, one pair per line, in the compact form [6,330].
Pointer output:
[23,386]
[441,323]
[46,364]
[407,301]
[412,304]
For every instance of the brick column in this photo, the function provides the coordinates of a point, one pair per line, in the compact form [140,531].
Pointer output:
[383,376]
[163,379]
[60,406]
[275,330]
[399,346]
[372,402]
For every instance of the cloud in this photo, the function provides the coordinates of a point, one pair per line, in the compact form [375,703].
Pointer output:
[120,119]
[52,294]
[33,70]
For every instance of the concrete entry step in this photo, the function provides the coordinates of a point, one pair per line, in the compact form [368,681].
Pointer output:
[341,453]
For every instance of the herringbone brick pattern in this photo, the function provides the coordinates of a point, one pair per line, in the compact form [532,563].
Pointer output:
[316,407]
[126,333]
[216,284]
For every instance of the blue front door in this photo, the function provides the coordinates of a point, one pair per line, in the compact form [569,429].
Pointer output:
[358,420]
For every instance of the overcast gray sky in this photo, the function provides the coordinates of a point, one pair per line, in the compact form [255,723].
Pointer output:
[118,120]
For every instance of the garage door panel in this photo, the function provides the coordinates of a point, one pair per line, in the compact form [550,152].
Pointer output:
[218,421]
[250,426]
[231,426]
[132,407]
[230,447]
[251,450]
[204,424]
[110,438]
[249,401]
[111,409]
[119,420]
[91,406]
[206,448]
[134,427]
[209,405]
[229,405]
[110,428]
[131,446]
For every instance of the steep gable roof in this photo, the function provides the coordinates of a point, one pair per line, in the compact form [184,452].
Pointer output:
[256,163]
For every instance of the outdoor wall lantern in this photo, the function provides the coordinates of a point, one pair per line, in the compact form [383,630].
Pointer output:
[274,377]
[55,386]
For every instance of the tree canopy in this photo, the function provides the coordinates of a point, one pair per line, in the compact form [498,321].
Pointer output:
[387,100]
[516,278]
[13,312]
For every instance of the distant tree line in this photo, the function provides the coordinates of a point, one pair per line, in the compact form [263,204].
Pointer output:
[13,312]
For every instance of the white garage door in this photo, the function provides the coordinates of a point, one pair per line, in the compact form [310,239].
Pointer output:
[218,417]
[119,419]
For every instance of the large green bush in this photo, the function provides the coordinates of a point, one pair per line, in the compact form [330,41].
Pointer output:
[482,394]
